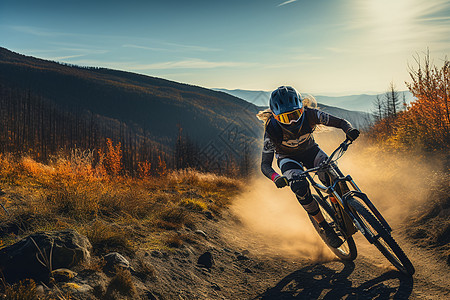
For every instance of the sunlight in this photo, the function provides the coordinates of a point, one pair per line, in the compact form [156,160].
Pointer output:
[390,20]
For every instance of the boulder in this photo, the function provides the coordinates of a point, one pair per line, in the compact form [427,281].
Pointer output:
[206,260]
[115,260]
[38,254]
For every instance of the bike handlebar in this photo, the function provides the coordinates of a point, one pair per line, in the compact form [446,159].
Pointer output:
[342,148]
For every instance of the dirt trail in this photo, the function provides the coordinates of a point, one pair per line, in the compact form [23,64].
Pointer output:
[302,276]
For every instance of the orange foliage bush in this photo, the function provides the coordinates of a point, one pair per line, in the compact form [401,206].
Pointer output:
[162,167]
[425,124]
[144,169]
[112,159]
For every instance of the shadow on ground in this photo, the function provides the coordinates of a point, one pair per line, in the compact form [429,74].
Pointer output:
[320,282]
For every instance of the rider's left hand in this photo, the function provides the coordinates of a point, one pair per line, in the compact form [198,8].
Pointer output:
[353,134]
[281,181]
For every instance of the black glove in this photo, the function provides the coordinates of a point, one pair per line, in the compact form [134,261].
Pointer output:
[281,181]
[353,134]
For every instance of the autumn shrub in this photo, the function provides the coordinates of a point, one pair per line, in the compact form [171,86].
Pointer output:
[112,158]
[425,124]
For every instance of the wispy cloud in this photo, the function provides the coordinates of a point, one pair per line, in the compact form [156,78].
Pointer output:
[66,57]
[172,47]
[189,64]
[145,47]
[286,2]
[38,31]
[169,65]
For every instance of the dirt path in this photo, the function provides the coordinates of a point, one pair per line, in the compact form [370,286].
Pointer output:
[370,276]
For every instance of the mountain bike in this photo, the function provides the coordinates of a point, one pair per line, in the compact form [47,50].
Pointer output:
[348,210]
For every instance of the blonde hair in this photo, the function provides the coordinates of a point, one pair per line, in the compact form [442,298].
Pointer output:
[308,101]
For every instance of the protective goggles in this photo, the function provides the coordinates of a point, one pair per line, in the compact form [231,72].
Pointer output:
[289,117]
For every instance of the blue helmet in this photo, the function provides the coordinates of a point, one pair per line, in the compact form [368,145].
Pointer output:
[286,105]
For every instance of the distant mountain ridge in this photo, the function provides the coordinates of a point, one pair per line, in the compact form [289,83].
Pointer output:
[361,102]
[359,119]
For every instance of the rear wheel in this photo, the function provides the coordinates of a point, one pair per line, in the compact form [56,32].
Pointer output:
[382,238]
[347,251]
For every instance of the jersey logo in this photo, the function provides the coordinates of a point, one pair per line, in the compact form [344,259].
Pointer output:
[296,142]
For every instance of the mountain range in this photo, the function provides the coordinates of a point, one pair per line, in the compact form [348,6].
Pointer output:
[358,118]
[360,102]
[221,123]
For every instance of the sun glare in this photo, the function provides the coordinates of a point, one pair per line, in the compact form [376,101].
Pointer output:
[389,20]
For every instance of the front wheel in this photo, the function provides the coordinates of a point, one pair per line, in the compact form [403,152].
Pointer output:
[347,251]
[382,239]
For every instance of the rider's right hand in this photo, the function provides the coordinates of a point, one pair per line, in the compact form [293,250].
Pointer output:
[281,181]
[352,134]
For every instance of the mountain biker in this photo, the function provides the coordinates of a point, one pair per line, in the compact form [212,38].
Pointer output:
[288,134]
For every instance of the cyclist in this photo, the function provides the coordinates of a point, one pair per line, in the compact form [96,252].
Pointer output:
[289,125]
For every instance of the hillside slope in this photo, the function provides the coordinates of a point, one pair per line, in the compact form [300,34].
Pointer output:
[155,105]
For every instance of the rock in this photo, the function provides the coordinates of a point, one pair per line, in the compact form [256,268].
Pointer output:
[115,260]
[206,260]
[216,287]
[248,270]
[242,257]
[245,252]
[227,250]
[200,232]
[62,275]
[31,256]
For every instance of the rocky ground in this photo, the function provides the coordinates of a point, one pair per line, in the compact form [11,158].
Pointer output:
[214,264]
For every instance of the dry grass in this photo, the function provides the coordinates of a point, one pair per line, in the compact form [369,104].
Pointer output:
[121,286]
[74,192]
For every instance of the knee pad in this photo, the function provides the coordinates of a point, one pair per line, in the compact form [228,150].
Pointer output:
[300,188]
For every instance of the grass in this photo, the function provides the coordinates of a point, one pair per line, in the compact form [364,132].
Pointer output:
[112,211]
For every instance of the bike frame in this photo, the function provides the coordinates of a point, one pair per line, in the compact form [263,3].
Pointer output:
[328,165]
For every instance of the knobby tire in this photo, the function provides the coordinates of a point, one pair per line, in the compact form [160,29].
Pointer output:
[392,250]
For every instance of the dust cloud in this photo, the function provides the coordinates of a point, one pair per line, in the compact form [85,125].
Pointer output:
[397,183]
[275,223]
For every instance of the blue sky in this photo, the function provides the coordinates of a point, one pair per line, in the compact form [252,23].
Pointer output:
[317,46]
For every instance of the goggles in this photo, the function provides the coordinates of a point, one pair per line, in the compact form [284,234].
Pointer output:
[289,117]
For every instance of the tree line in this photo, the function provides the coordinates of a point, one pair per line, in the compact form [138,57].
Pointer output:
[423,124]
[31,125]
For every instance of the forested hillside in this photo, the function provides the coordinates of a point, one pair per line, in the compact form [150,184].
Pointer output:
[57,106]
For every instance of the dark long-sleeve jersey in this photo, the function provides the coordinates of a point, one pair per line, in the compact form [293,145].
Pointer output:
[285,143]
